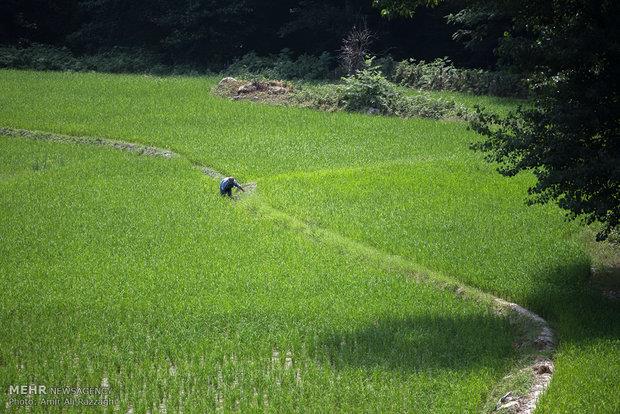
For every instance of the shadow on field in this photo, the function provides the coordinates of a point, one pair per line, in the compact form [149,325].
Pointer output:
[423,344]
[574,307]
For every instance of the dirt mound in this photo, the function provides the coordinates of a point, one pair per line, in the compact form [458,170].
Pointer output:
[275,91]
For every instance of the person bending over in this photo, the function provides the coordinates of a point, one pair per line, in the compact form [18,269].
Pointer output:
[227,184]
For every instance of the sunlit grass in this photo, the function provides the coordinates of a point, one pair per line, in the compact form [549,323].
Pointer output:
[133,269]
[499,105]
[244,138]
[471,224]
[443,214]
[406,187]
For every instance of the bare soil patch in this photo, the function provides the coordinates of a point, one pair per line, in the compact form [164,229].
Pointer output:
[269,91]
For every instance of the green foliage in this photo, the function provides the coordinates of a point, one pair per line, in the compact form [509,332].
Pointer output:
[407,187]
[215,306]
[39,57]
[569,139]
[116,60]
[483,25]
[406,8]
[120,60]
[369,89]
[386,64]
[441,74]
[283,66]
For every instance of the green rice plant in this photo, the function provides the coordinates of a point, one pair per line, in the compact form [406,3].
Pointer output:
[407,187]
[133,272]
[447,215]
[180,113]
[499,105]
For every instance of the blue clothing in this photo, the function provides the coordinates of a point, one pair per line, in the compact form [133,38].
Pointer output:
[227,184]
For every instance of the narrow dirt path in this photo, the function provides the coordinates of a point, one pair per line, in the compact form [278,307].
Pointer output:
[536,339]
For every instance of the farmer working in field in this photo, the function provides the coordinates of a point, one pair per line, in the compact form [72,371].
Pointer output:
[227,184]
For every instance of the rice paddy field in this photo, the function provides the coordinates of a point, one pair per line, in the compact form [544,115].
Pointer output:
[132,271]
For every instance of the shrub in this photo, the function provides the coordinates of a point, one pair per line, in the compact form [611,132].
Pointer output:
[115,60]
[368,89]
[312,67]
[441,74]
[39,57]
[387,65]
[119,60]
[354,49]
[282,66]
[370,92]
[248,64]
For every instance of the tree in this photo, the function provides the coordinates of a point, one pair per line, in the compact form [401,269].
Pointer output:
[569,137]
[25,21]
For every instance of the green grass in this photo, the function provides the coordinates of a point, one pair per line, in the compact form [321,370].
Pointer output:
[405,187]
[447,215]
[443,214]
[495,104]
[134,269]
[244,138]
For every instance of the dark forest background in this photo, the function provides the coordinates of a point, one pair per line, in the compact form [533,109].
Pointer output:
[565,53]
[210,34]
